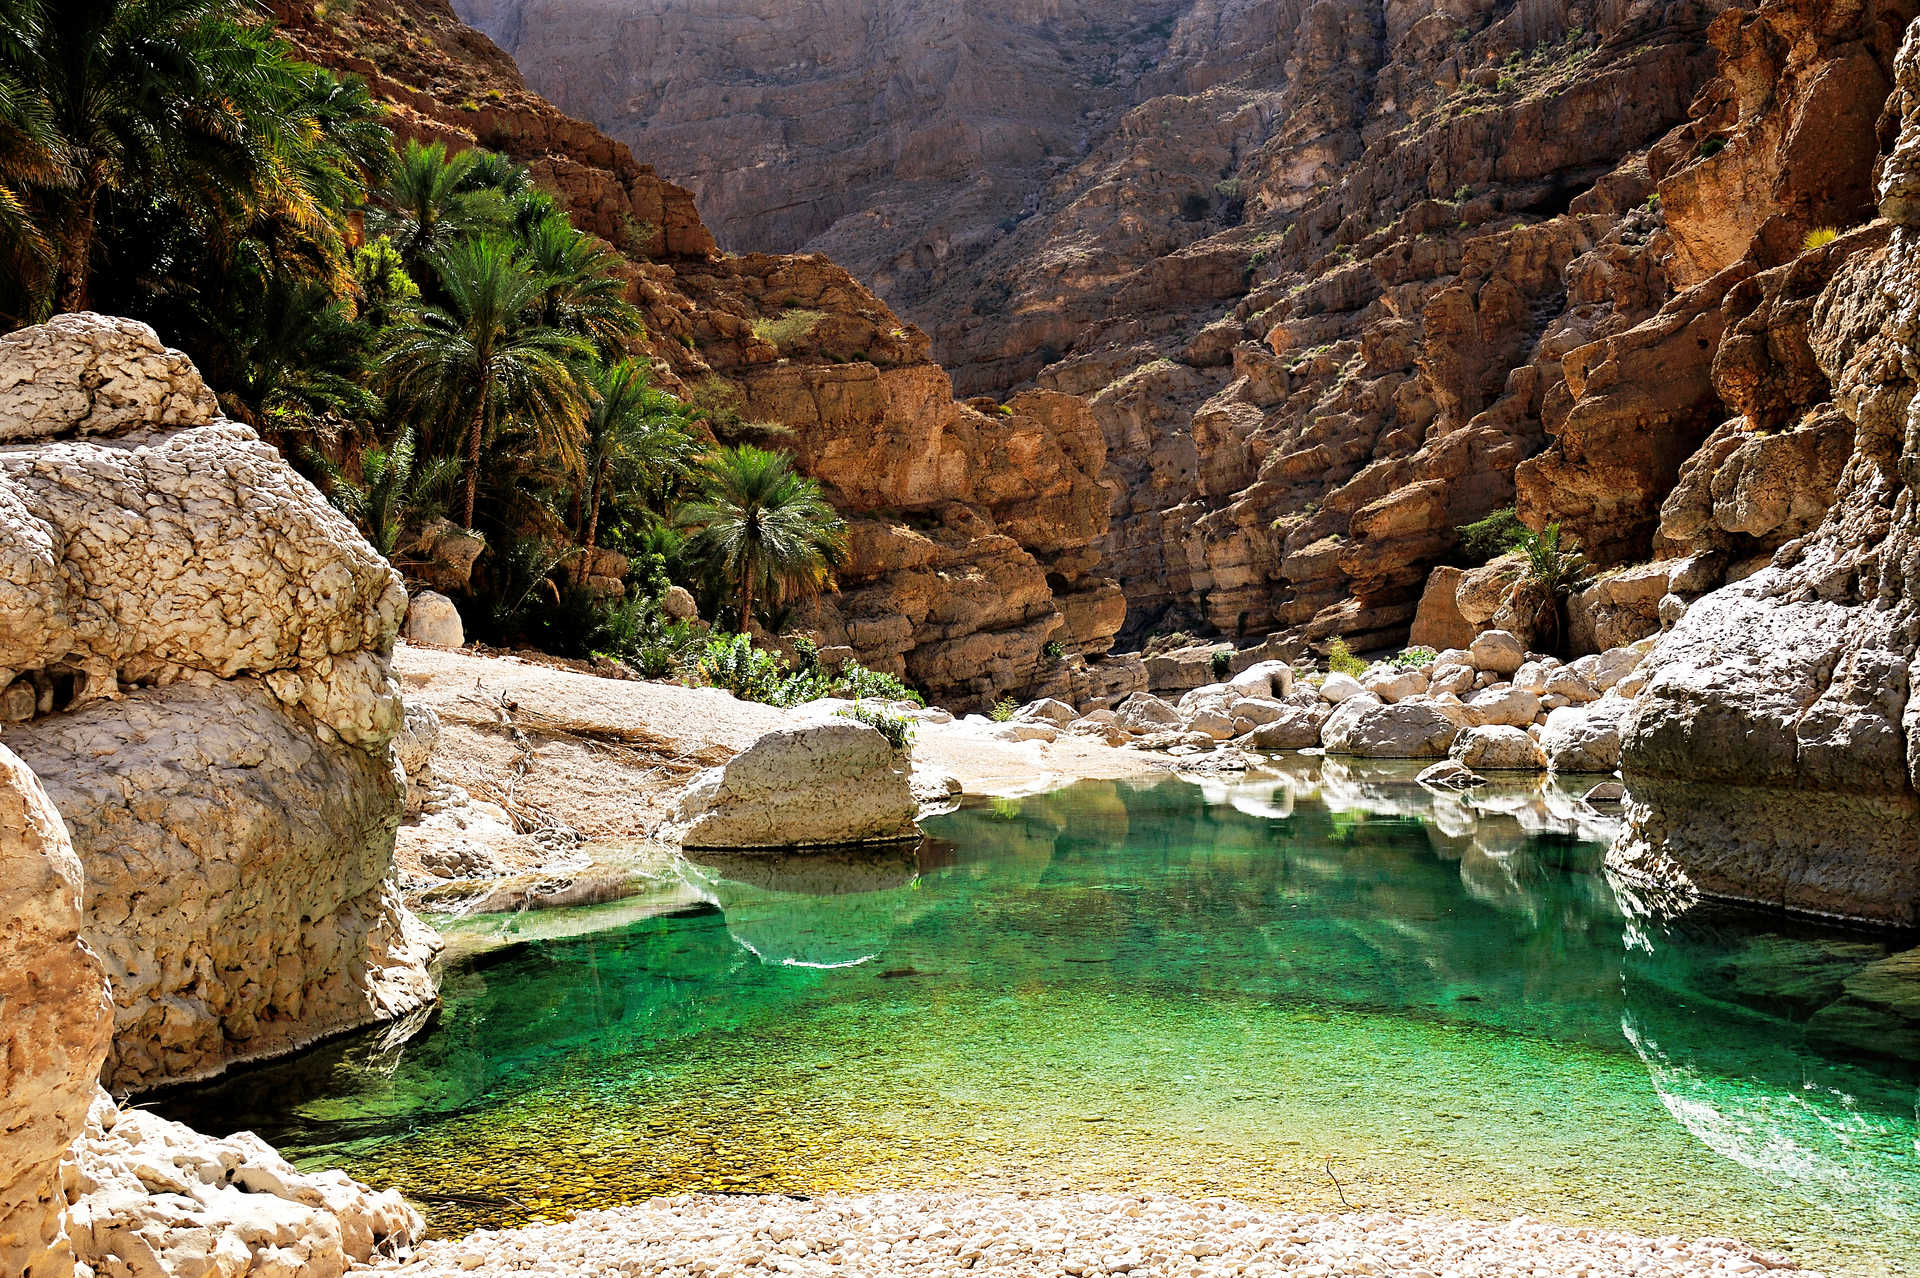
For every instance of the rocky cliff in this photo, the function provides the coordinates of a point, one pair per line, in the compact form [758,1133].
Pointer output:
[1775,756]
[1337,275]
[193,662]
[973,524]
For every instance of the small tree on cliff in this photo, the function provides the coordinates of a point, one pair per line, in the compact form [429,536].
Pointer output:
[767,531]
[480,360]
[1554,571]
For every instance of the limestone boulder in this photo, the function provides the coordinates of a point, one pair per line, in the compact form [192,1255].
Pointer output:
[1479,593]
[86,374]
[1376,730]
[1337,688]
[1392,684]
[433,620]
[1143,712]
[1451,775]
[1498,749]
[1603,670]
[1297,728]
[1585,738]
[678,604]
[1263,679]
[1440,623]
[55,1022]
[1504,706]
[238,875]
[1498,652]
[1046,710]
[809,784]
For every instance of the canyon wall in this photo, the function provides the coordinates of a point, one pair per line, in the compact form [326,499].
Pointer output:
[193,662]
[1337,275]
[974,526]
[1775,755]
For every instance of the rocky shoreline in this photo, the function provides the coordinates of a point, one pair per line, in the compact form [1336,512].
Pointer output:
[1083,1235]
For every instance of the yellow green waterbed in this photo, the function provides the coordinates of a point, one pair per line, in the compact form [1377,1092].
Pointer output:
[1307,991]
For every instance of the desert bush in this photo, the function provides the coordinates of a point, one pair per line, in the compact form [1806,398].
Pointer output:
[1489,538]
[896,728]
[1340,659]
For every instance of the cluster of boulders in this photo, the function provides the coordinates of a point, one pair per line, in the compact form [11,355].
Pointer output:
[1491,706]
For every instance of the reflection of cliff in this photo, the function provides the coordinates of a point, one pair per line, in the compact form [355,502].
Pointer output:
[1756,1045]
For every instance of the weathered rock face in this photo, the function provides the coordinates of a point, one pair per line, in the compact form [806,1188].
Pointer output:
[808,785]
[55,1027]
[194,647]
[1772,757]
[974,526]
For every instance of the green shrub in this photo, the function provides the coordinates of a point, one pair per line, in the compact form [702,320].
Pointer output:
[896,728]
[788,327]
[1414,659]
[1491,537]
[1004,710]
[1340,659]
[732,663]
[1221,662]
[1053,652]
[1710,147]
[1819,239]
[856,681]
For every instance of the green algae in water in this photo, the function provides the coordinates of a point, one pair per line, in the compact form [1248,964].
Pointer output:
[1158,986]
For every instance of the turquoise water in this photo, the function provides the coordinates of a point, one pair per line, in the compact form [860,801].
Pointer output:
[1303,990]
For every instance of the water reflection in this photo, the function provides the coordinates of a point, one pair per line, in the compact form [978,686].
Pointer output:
[1236,970]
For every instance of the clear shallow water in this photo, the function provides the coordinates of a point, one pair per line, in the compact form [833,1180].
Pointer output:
[1250,989]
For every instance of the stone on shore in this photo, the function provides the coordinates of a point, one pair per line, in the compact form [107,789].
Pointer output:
[1585,738]
[1498,748]
[1375,730]
[432,619]
[805,785]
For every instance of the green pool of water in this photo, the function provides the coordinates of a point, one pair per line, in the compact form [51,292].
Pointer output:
[1303,990]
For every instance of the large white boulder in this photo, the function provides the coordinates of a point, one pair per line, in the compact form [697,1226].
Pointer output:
[1498,749]
[1336,688]
[1375,730]
[1263,679]
[1602,670]
[1046,710]
[805,785]
[1585,738]
[1143,712]
[1504,706]
[1499,651]
[1391,684]
[433,620]
[1296,728]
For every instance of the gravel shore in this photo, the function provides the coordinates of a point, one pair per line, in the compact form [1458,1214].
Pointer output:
[1084,1235]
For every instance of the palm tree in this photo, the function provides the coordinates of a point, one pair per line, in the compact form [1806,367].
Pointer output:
[633,431]
[583,288]
[479,362]
[767,530]
[427,203]
[395,489]
[30,157]
[1554,572]
[174,96]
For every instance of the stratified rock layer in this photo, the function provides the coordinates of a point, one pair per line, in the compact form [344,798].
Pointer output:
[194,660]
[54,1024]
[1775,751]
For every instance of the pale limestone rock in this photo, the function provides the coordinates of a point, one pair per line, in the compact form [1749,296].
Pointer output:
[1046,710]
[445,553]
[55,1027]
[1337,688]
[1567,685]
[1144,712]
[1498,749]
[1585,738]
[1213,723]
[432,619]
[1532,676]
[1297,728]
[1450,774]
[413,747]
[1498,651]
[238,875]
[156,1199]
[810,784]
[677,603]
[87,374]
[1249,713]
[1263,679]
[1602,671]
[1404,730]
[1395,685]
[1504,706]
[1015,731]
